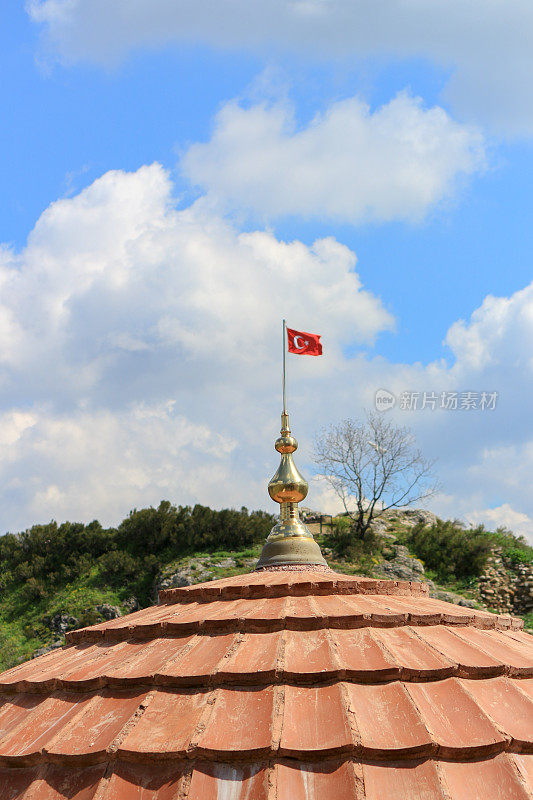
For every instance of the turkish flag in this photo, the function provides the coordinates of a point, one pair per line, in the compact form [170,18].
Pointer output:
[304,344]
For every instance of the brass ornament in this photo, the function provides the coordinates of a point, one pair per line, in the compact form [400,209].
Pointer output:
[290,540]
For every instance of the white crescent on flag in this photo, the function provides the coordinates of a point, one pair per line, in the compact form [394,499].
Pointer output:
[305,342]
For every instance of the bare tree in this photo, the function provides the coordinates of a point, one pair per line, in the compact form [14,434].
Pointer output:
[375,463]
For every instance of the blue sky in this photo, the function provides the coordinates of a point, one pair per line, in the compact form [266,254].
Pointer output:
[92,97]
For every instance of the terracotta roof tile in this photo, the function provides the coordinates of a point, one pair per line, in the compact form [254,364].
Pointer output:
[298,612]
[388,722]
[35,727]
[286,583]
[142,665]
[315,720]
[502,648]
[201,660]
[14,709]
[524,640]
[167,725]
[14,782]
[413,655]
[456,723]
[484,780]
[303,685]
[527,687]
[361,656]
[308,654]
[255,658]
[56,783]
[308,782]
[241,722]
[524,764]
[228,781]
[469,658]
[401,781]
[136,782]
[503,701]
[90,673]
[90,733]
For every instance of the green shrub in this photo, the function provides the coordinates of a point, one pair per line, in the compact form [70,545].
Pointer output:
[450,550]
[117,567]
[345,543]
[33,590]
[47,557]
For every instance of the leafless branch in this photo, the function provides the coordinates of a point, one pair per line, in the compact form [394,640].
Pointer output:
[376,463]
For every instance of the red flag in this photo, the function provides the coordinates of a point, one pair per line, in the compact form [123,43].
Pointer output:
[304,344]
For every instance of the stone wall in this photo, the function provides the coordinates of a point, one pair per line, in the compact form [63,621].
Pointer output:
[506,587]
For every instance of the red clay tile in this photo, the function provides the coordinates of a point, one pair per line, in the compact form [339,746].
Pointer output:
[314,721]
[308,654]
[491,779]
[167,725]
[415,781]
[504,702]
[469,658]
[35,729]
[524,765]
[255,658]
[416,657]
[187,618]
[324,782]
[241,722]
[92,731]
[526,686]
[456,723]
[119,625]
[59,783]
[523,639]
[249,632]
[374,609]
[302,614]
[337,613]
[90,674]
[446,613]
[418,614]
[145,781]
[501,648]
[267,613]
[387,721]
[228,612]
[228,782]
[201,661]
[15,710]
[143,664]
[272,583]
[14,781]
[46,663]
[361,656]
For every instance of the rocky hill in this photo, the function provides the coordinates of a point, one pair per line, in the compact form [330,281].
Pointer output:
[123,569]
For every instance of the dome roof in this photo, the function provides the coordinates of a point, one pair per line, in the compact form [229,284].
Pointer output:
[278,685]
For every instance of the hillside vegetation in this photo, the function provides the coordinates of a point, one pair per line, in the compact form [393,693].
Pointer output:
[57,577]
[73,568]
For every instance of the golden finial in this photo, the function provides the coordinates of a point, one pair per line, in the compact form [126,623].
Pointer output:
[290,541]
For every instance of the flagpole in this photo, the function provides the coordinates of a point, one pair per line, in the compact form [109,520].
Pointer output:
[284,347]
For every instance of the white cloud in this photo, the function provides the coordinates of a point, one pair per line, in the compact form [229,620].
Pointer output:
[102,463]
[494,332]
[140,359]
[348,164]
[120,303]
[506,517]
[486,47]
